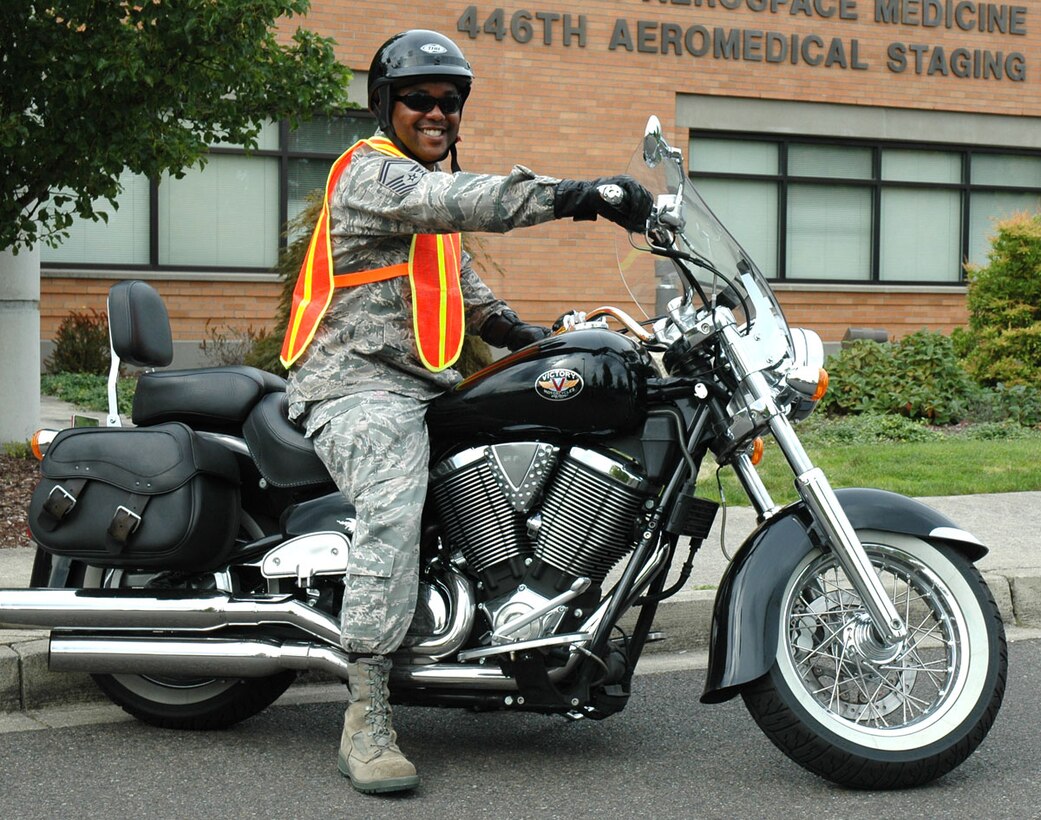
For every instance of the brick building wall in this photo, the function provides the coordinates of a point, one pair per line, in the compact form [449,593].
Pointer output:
[566,89]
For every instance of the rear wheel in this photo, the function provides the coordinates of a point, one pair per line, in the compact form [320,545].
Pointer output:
[193,703]
[174,702]
[864,715]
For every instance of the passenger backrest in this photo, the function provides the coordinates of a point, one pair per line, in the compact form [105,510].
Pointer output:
[139,325]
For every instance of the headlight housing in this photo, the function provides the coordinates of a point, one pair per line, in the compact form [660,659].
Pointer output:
[807,380]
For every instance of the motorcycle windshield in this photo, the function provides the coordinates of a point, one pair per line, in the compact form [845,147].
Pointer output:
[726,275]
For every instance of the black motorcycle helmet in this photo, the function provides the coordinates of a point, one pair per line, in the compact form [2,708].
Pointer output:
[409,57]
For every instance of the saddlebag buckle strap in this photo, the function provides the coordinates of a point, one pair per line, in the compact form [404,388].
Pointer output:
[126,520]
[60,501]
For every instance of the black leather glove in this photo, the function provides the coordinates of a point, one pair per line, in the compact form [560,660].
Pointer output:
[507,330]
[584,200]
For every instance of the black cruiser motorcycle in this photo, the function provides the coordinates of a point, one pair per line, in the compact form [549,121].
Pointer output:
[193,563]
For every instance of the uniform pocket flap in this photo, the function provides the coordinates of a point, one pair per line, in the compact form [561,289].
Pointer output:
[368,562]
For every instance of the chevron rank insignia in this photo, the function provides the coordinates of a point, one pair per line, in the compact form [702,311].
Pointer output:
[400,175]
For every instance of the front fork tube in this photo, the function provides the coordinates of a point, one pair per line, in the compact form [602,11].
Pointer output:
[815,491]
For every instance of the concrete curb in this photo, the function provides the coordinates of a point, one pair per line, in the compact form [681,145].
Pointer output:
[26,684]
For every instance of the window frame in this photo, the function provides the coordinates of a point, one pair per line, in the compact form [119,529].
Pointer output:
[876,184]
[283,154]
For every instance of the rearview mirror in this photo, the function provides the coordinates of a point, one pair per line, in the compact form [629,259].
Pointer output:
[652,142]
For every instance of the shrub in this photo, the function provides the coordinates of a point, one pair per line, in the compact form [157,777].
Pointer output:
[264,354]
[999,431]
[225,344]
[868,428]
[89,390]
[18,449]
[1002,344]
[1019,404]
[81,344]
[919,377]
[860,379]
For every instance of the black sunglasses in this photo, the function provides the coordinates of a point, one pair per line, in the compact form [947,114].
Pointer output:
[424,103]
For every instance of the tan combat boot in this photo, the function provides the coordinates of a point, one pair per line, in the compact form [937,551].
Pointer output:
[369,753]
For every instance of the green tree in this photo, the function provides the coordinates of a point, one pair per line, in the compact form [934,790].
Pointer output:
[90,87]
[1002,344]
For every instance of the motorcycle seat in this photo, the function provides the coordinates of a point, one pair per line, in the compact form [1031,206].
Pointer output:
[210,399]
[283,454]
[214,399]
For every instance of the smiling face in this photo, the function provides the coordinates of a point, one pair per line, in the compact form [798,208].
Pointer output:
[428,136]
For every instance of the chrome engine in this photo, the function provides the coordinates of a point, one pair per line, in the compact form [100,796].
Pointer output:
[539,528]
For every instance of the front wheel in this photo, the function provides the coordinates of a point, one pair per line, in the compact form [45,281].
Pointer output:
[869,716]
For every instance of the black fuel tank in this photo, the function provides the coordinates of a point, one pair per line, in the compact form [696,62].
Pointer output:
[585,381]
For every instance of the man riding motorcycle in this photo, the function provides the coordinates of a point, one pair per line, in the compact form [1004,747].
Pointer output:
[378,319]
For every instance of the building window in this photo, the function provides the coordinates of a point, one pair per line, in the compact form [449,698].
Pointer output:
[311,150]
[814,210]
[223,216]
[122,240]
[227,217]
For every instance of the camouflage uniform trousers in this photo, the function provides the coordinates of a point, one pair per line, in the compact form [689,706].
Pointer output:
[377,451]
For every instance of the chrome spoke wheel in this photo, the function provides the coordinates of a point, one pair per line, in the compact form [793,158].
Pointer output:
[843,704]
[847,672]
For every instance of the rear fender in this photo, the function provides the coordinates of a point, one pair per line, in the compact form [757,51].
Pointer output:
[743,641]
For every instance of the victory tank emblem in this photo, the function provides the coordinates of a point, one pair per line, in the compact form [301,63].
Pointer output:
[559,384]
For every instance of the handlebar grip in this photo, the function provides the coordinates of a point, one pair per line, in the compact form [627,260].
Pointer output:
[613,195]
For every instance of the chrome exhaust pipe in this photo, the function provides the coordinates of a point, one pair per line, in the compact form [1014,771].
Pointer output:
[200,612]
[205,611]
[207,657]
[450,676]
[246,658]
[147,610]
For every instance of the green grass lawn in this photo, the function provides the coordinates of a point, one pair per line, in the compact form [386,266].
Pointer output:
[948,465]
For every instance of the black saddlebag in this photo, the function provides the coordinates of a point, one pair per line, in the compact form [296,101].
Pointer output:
[159,497]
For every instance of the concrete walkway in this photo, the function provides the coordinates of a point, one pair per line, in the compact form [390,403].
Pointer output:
[1009,524]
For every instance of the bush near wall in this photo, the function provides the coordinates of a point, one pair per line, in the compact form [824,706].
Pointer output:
[919,377]
[1002,344]
[922,378]
[81,344]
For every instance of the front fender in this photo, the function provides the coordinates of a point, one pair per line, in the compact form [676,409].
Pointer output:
[743,641]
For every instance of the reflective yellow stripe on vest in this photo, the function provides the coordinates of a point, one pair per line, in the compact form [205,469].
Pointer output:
[434,264]
[433,267]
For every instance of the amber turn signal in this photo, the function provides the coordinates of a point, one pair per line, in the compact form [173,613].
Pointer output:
[757,451]
[40,441]
[822,386]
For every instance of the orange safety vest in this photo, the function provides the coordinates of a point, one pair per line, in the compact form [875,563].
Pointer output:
[434,267]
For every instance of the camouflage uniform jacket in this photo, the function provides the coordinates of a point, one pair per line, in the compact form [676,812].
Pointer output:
[366,339]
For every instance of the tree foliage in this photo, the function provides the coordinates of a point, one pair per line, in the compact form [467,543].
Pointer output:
[1002,344]
[90,87]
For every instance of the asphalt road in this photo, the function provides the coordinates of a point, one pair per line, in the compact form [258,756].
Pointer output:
[665,756]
